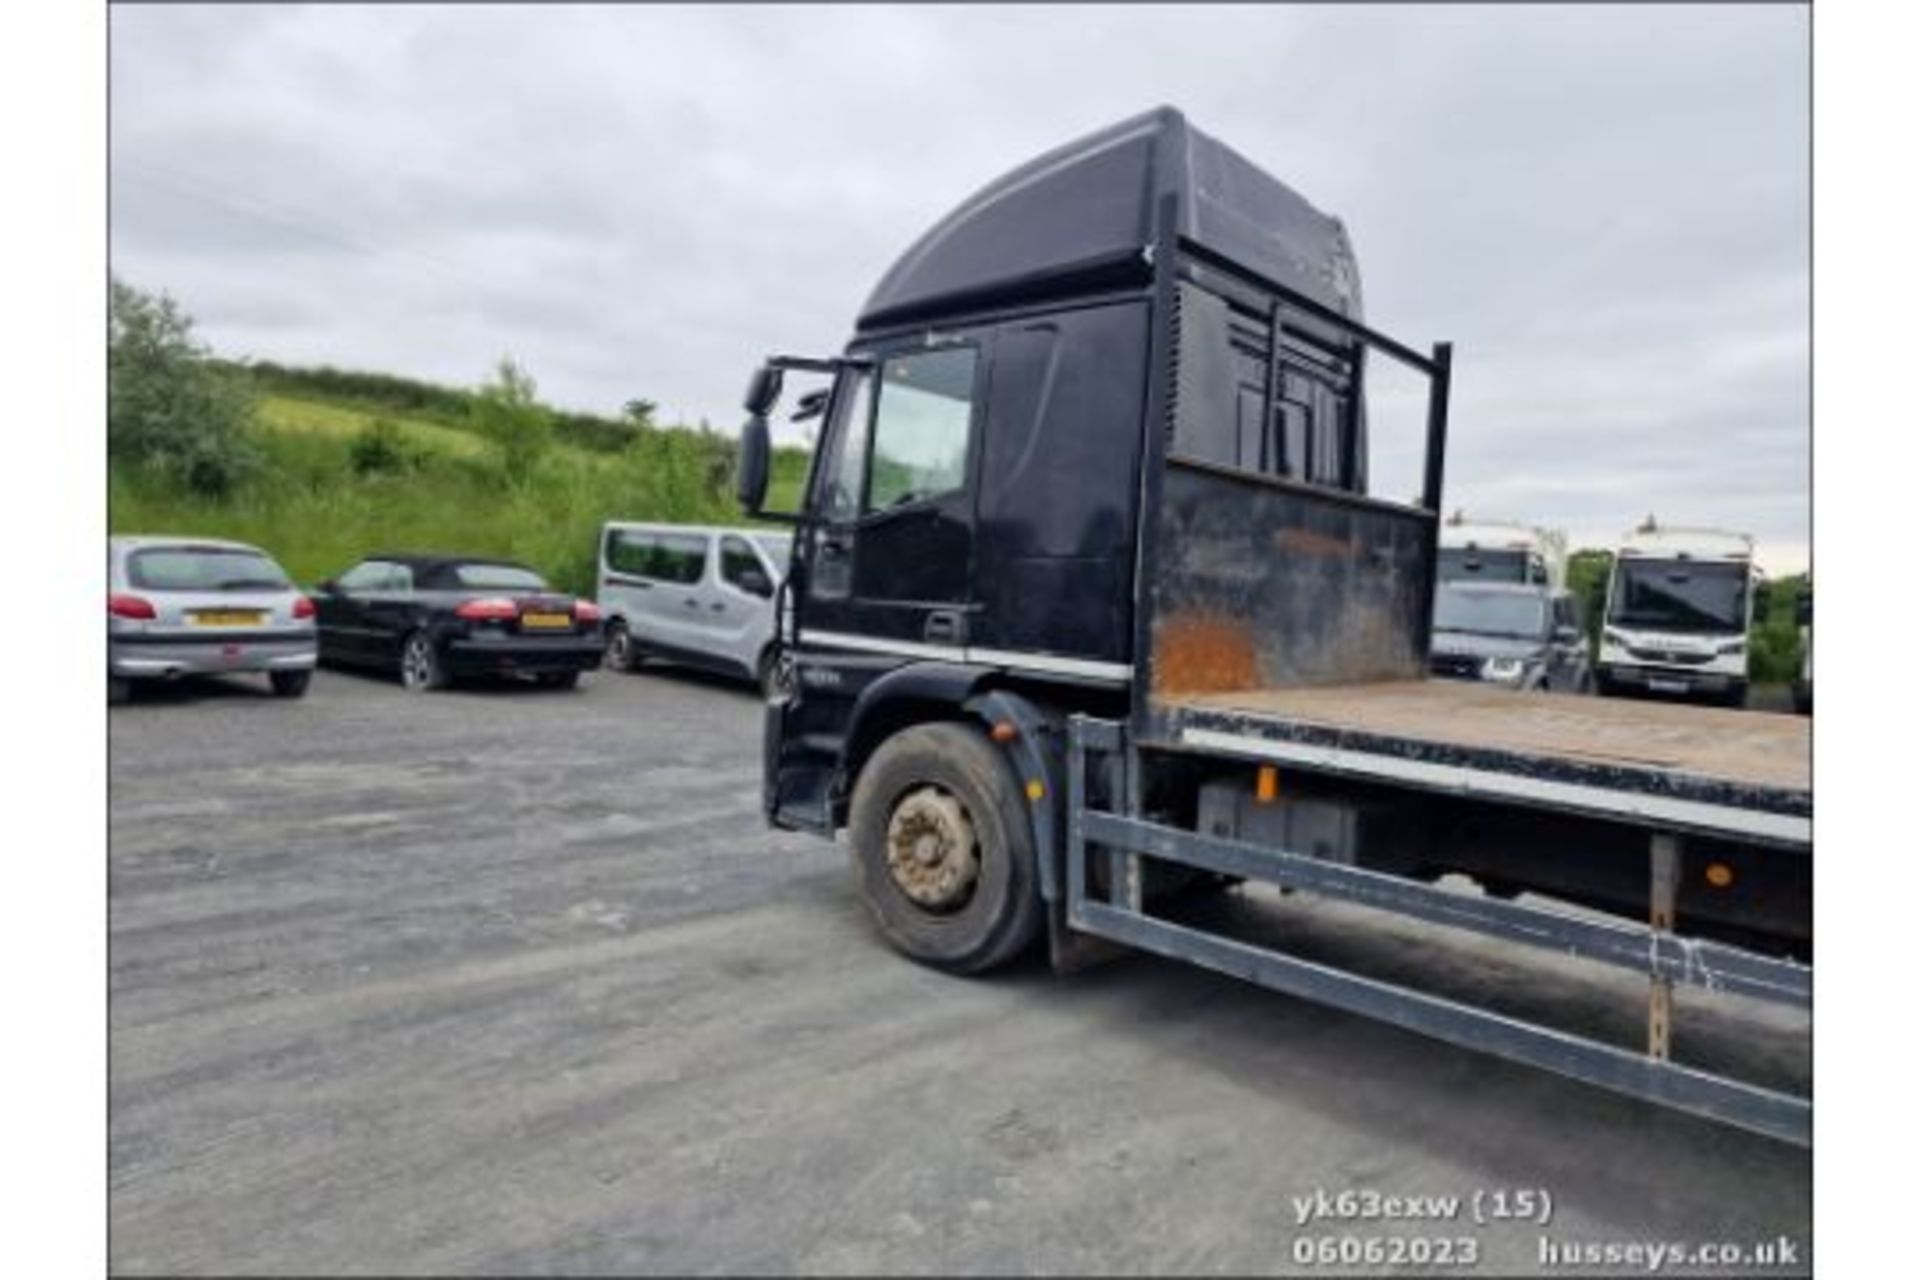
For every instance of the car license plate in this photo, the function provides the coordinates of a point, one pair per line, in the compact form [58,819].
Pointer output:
[545,621]
[1667,686]
[229,617]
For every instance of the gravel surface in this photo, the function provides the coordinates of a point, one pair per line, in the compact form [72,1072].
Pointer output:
[512,980]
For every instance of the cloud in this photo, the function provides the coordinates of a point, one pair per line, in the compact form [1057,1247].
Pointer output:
[1606,209]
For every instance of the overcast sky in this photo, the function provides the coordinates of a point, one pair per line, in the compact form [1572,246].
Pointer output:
[1606,209]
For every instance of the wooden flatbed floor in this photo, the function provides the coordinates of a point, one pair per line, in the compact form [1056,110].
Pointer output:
[1737,772]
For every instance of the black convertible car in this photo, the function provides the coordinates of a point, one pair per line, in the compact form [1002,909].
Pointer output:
[435,618]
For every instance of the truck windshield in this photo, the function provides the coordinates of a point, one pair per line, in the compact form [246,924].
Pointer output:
[1473,564]
[1680,595]
[1490,613]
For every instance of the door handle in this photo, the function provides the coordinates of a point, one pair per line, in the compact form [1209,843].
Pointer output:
[944,626]
[691,603]
[718,606]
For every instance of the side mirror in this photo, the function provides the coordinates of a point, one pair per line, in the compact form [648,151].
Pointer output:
[755,582]
[763,390]
[756,451]
[326,587]
[1567,634]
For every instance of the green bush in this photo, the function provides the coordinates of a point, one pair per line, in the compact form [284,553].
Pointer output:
[169,408]
[380,448]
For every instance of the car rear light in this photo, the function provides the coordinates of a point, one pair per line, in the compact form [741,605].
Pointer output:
[586,611]
[134,607]
[302,607]
[489,609]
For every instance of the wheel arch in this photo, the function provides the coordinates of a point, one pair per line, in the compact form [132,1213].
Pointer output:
[913,694]
[926,692]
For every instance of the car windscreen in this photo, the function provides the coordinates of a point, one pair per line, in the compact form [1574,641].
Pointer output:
[204,569]
[778,548]
[1490,613]
[495,577]
[1680,595]
[1478,565]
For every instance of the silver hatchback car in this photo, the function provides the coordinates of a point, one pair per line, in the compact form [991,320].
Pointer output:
[200,606]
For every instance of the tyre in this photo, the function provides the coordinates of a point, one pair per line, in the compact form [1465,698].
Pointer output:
[290,684]
[944,849]
[119,691]
[421,667]
[622,653]
[559,679]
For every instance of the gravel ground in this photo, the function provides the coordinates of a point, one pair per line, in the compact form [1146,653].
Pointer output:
[512,980]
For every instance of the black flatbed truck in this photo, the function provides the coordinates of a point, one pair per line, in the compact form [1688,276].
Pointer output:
[1091,607]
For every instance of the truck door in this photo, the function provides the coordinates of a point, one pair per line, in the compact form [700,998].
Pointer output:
[890,556]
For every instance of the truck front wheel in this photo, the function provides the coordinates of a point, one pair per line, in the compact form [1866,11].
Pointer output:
[944,848]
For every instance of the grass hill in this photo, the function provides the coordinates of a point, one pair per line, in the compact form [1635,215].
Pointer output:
[343,464]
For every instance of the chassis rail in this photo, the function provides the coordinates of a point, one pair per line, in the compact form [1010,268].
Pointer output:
[1665,957]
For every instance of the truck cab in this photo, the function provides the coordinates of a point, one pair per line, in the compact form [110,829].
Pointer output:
[1501,551]
[973,515]
[1679,608]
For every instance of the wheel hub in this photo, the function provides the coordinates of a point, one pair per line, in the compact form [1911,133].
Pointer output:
[932,853]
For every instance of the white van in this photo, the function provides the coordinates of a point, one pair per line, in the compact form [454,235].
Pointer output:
[692,594]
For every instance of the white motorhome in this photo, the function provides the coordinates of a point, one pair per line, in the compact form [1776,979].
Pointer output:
[1501,551]
[1679,607]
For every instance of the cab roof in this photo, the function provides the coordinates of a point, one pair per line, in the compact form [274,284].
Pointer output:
[1081,217]
[1663,540]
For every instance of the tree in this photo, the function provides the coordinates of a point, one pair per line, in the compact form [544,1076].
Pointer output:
[1587,574]
[169,408]
[506,412]
[640,413]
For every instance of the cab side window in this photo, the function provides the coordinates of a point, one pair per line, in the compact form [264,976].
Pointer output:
[923,427]
[843,470]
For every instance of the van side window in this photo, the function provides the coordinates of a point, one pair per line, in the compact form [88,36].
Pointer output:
[664,557]
[681,557]
[923,427]
[742,569]
[630,552]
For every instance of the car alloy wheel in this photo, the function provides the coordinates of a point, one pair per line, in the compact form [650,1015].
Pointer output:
[419,664]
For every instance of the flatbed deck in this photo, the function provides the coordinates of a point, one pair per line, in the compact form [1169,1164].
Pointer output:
[1707,770]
